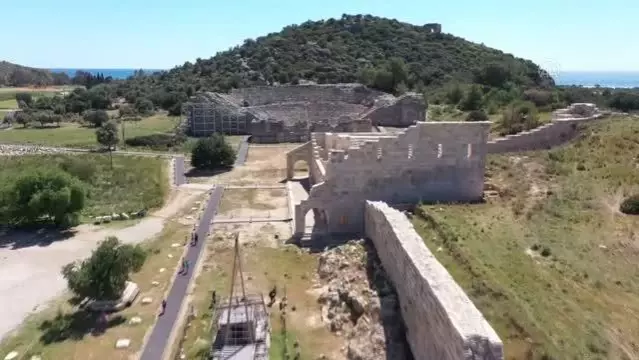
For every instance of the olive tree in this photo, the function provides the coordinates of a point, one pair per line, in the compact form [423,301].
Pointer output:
[107,136]
[103,276]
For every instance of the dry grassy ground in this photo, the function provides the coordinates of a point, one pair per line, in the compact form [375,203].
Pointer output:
[264,165]
[549,259]
[266,261]
[62,332]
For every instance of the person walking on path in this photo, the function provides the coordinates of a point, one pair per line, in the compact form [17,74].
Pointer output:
[185,266]
[163,307]
[194,239]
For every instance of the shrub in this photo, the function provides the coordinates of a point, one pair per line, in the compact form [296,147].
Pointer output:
[545,252]
[24,97]
[43,194]
[156,141]
[143,106]
[477,115]
[96,118]
[212,153]
[126,110]
[630,205]
[518,117]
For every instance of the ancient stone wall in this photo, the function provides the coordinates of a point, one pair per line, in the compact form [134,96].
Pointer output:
[349,93]
[442,322]
[553,134]
[439,161]
[404,111]
[433,28]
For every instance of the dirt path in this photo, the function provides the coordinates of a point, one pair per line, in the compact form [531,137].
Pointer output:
[30,276]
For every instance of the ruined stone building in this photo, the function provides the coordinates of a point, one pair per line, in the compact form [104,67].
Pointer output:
[290,113]
[427,162]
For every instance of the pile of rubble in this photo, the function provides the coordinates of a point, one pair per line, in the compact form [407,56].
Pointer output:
[359,303]
[17,150]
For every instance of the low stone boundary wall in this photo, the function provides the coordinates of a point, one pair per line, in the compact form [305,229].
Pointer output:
[544,137]
[442,323]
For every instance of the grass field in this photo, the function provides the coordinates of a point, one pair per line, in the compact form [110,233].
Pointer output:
[63,332]
[8,93]
[8,104]
[550,261]
[134,183]
[74,135]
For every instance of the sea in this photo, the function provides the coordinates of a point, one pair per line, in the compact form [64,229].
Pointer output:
[614,79]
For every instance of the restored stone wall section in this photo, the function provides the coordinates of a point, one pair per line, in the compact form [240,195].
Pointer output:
[442,322]
[439,161]
[544,137]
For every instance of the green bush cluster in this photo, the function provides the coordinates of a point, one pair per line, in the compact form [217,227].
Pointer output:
[630,205]
[156,141]
[212,153]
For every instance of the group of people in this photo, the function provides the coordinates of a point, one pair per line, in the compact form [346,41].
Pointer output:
[184,269]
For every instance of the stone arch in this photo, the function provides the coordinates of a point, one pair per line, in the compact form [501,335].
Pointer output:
[302,169]
[302,223]
[302,152]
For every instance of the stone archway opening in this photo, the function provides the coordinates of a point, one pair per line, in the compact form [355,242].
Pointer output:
[311,220]
[301,170]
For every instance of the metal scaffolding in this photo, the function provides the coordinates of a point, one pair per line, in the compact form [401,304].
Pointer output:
[242,331]
[204,119]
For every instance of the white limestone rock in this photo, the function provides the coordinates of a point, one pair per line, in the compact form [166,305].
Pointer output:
[147,300]
[11,356]
[155,283]
[122,343]
[162,270]
[135,320]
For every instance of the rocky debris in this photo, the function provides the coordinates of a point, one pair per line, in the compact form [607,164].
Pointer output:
[366,314]
[135,320]
[147,300]
[18,150]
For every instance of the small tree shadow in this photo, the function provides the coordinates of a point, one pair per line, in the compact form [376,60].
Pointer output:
[18,238]
[193,172]
[75,326]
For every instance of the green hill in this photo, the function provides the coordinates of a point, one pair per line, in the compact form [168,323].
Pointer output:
[383,53]
[18,75]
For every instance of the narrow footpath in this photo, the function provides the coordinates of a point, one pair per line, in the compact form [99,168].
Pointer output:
[179,171]
[157,342]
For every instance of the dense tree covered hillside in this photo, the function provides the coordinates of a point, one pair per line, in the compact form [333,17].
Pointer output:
[18,75]
[382,53]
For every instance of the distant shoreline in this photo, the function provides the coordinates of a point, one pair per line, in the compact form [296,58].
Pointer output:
[610,79]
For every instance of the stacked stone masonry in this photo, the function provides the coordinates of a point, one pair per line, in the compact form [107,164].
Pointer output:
[564,127]
[429,162]
[426,162]
[290,113]
[442,322]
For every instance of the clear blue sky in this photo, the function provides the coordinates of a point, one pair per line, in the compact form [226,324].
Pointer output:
[558,34]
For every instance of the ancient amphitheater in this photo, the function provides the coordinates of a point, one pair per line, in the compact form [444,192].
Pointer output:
[290,113]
